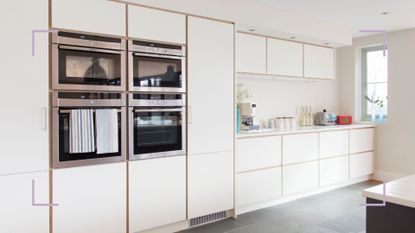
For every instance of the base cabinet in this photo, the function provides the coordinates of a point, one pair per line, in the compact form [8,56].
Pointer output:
[258,186]
[334,170]
[300,177]
[210,183]
[361,164]
[91,199]
[157,192]
[17,213]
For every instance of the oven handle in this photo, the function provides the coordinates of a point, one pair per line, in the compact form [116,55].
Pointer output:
[160,110]
[158,55]
[89,49]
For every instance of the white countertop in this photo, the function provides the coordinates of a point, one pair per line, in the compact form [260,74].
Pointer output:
[307,129]
[400,192]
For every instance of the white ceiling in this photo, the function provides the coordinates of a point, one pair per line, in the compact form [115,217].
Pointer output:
[355,14]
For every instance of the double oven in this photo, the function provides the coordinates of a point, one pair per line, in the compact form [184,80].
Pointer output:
[115,99]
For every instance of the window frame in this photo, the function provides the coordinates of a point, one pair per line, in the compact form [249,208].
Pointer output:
[364,83]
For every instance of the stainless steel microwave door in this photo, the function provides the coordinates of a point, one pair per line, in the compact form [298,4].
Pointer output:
[157,72]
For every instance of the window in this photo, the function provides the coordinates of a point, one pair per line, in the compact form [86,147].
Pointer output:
[375,83]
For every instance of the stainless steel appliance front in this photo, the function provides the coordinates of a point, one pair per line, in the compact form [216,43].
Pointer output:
[155,67]
[62,105]
[156,125]
[88,62]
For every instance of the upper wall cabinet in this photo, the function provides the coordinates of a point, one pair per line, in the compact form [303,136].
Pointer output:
[96,16]
[318,62]
[150,24]
[250,53]
[284,58]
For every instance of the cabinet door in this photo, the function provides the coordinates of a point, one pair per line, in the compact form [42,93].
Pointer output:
[248,158]
[361,140]
[334,143]
[361,164]
[157,192]
[284,58]
[318,62]
[156,25]
[210,86]
[300,148]
[210,183]
[24,88]
[299,177]
[334,170]
[17,213]
[258,186]
[96,16]
[91,199]
[250,53]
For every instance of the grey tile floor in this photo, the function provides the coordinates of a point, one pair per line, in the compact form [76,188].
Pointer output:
[336,211]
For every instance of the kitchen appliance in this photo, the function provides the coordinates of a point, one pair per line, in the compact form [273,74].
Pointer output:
[156,125]
[156,67]
[64,104]
[344,120]
[88,62]
[248,115]
[325,118]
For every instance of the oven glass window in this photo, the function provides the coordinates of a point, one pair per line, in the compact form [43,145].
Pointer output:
[65,153]
[157,132]
[89,68]
[157,72]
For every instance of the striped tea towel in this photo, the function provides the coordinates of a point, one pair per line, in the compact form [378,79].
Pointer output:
[81,131]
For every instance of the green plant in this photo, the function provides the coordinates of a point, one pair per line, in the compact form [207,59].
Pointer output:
[241,93]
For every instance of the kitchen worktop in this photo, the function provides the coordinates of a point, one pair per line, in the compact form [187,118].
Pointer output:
[300,129]
[400,192]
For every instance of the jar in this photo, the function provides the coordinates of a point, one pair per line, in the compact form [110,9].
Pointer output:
[293,123]
[287,123]
[279,123]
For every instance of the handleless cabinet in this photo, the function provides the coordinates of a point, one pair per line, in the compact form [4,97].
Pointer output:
[319,62]
[299,177]
[250,53]
[156,25]
[361,140]
[17,213]
[299,148]
[334,143]
[334,170]
[90,198]
[24,89]
[361,164]
[284,58]
[96,16]
[157,192]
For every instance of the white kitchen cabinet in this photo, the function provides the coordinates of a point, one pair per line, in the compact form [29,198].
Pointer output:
[250,53]
[299,177]
[284,58]
[24,88]
[210,86]
[334,143]
[300,148]
[17,213]
[361,164]
[156,25]
[91,199]
[319,62]
[255,153]
[96,16]
[258,186]
[361,140]
[334,170]
[210,183]
[157,192]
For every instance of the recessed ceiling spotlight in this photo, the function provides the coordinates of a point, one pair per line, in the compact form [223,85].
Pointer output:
[293,38]
[251,30]
[384,13]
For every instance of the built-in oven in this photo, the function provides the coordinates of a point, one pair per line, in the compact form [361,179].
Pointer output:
[88,62]
[156,125]
[156,67]
[88,128]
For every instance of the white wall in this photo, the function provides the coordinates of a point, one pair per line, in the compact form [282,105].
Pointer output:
[282,97]
[395,139]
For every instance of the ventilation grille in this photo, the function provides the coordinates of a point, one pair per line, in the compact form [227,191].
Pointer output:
[207,218]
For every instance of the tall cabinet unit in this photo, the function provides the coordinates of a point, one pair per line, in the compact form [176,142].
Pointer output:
[210,116]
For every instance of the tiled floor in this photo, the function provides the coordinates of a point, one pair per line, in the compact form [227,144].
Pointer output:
[337,211]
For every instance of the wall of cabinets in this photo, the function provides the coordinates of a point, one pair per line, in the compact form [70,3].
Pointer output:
[270,56]
[309,161]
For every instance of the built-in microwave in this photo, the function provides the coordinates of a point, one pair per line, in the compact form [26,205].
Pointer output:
[88,62]
[156,125]
[88,128]
[156,67]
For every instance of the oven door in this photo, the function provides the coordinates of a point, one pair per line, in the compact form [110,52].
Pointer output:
[85,68]
[63,154]
[154,72]
[155,133]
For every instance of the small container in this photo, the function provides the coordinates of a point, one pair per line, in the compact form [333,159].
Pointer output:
[271,124]
[287,123]
[293,123]
[279,123]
